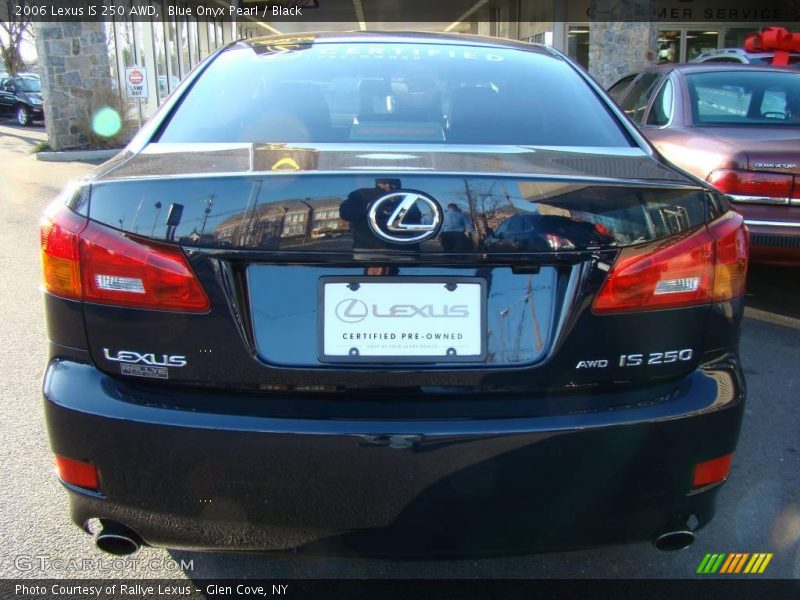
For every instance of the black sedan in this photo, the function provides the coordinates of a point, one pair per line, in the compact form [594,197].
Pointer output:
[224,376]
[21,97]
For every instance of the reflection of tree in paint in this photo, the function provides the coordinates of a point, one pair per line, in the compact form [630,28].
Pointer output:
[487,206]
[513,323]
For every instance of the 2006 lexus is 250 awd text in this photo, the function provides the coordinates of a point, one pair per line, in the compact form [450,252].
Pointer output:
[392,294]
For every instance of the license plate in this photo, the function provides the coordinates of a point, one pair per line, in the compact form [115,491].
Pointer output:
[402,319]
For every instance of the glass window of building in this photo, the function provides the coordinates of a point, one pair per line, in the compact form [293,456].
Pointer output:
[142,40]
[125,57]
[159,43]
[735,36]
[125,43]
[578,44]
[111,46]
[669,46]
[194,42]
[173,69]
[212,34]
[183,41]
[698,42]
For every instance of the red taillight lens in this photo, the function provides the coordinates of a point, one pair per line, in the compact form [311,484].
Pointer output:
[712,471]
[752,183]
[120,270]
[660,276]
[58,234]
[708,265]
[77,473]
[84,260]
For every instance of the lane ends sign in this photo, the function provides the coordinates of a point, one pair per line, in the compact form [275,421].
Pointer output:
[136,82]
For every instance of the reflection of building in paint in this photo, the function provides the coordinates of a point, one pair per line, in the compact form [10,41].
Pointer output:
[272,225]
[326,221]
[295,223]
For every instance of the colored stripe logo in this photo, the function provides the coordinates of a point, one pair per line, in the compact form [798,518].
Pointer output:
[735,562]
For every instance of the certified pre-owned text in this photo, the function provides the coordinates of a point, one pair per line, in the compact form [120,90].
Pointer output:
[402,336]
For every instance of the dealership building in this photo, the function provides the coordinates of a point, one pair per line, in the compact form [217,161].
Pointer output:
[82,63]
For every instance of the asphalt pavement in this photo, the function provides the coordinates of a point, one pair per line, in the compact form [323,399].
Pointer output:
[758,509]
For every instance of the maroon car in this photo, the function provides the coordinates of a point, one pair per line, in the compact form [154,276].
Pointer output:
[737,127]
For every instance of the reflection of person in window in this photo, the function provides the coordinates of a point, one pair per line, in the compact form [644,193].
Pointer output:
[456,228]
[356,208]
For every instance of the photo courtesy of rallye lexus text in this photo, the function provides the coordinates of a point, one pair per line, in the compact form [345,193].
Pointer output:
[405,294]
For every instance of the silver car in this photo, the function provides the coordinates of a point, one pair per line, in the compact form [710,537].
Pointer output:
[738,55]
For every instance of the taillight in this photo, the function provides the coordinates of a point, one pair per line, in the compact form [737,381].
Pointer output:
[58,234]
[754,185]
[709,265]
[86,260]
[120,270]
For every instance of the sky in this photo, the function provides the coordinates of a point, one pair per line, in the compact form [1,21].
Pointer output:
[28,48]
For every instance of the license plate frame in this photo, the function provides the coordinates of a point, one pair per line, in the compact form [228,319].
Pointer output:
[474,284]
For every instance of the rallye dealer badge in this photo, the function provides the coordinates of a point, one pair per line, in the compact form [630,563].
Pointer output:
[145,365]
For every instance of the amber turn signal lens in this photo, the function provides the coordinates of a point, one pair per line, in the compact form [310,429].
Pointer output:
[58,234]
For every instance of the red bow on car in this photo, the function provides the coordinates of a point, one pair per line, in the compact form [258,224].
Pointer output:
[777,39]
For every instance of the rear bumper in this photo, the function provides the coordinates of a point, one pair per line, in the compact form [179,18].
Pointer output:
[200,480]
[775,241]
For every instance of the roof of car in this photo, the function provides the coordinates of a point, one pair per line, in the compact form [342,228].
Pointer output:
[19,76]
[736,52]
[705,67]
[408,37]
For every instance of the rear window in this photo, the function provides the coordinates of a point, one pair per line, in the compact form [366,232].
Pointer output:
[745,98]
[616,90]
[392,93]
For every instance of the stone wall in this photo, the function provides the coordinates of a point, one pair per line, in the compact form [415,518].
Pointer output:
[622,40]
[618,48]
[75,73]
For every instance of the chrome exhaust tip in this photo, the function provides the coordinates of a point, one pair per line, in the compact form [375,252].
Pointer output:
[117,539]
[674,538]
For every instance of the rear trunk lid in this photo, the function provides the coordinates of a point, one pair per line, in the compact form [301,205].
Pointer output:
[777,149]
[307,297]
[314,200]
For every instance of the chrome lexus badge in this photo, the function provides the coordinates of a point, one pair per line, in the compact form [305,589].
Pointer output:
[405,217]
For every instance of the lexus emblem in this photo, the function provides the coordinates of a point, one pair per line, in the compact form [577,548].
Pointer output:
[405,217]
[351,311]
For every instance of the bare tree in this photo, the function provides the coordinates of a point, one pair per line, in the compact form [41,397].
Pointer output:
[15,28]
